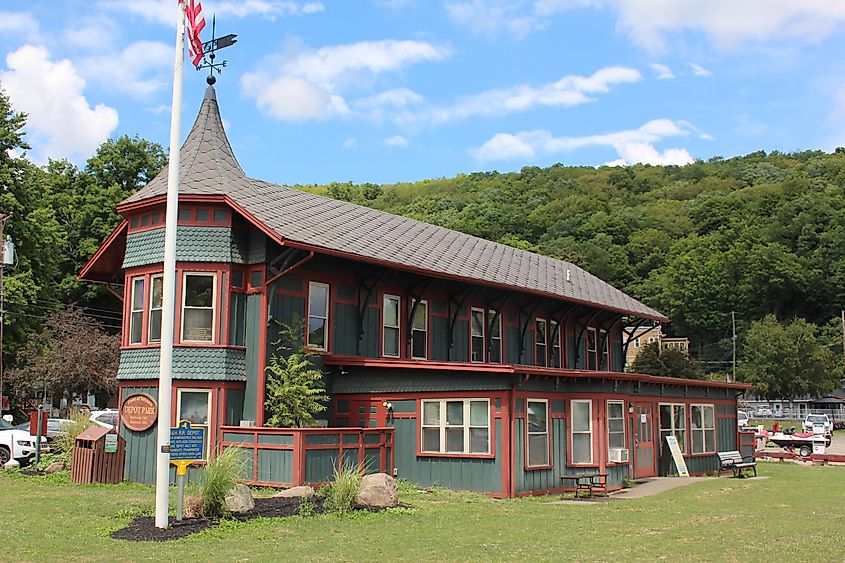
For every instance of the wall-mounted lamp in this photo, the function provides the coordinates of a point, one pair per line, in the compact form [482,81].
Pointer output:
[344,371]
[630,407]
[389,407]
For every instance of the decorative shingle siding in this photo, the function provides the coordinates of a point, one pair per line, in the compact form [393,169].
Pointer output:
[193,244]
[215,364]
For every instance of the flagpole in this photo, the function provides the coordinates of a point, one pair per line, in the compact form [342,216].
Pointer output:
[165,385]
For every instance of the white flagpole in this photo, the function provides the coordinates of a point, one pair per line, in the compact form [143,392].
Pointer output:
[169,287]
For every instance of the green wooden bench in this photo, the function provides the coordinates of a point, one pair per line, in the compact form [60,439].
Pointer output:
[735,463]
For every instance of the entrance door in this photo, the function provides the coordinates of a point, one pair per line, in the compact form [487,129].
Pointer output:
[643,425]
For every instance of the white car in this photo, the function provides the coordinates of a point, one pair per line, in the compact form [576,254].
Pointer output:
[18,444]
[106,419]
[741,419]
[814,419]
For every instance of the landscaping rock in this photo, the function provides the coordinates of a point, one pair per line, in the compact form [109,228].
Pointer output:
[377,491]
[301,491]
[12,464]
[191,507]
[239,500]
[55,467]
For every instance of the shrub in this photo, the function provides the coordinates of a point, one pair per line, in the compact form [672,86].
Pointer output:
[217,478]
[295,391]
[340,494]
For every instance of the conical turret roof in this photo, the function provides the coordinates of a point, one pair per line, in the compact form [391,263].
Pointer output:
[207,163]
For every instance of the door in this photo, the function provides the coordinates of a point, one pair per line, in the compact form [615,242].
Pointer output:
[643,426]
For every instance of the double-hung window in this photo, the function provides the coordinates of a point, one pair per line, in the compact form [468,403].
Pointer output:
[390,326]
[592,349]
[419,332]
[194,405]
[604,343]
[156,295]
[455,426]
[198,307]
[673,423]
[703,426]
[136,313]
[495,356]
[541,341]
[554,335]
[582,431]
[318,315]
[615,425]
[476,322]
[537,451]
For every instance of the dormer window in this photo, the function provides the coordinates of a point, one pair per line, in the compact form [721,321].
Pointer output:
[198,310]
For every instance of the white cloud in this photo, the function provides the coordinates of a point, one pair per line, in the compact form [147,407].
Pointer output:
[699,70]
[60,120]
[632,146]
[165,11]
[95,33]
[301,83]
[140,69]
[397,97]
[491,16]
[571,90]
[663,71]
[396,141]
[350,142]
[19,23]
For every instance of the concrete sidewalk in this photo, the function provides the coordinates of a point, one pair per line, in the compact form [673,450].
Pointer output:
[655,486]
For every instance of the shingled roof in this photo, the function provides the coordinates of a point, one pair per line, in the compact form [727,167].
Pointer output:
[209,167]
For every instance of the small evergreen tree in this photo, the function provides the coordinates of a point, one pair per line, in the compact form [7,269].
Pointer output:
[295,391]
[667,362]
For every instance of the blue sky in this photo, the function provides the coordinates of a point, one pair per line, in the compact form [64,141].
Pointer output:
[400,90]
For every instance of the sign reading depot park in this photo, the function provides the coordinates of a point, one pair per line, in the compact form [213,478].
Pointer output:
[139,412]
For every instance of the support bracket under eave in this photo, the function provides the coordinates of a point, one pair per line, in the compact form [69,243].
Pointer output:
[453,317]
[369,287]
[524,329]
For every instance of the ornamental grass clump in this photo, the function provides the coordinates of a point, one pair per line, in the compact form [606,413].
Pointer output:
[63,444]
[340,494]
[217,478]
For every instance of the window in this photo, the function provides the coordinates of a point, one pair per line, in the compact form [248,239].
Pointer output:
[615,424]
[495,353]
[582,431]
[460,426]
[541,341]
[318,315]
[703,429]
[673,423]
[237,319]
[198,299]
[156,293]
[592,349]
[476,322]
[537,450]
[195,406]
[556,358]
[604,343]
[136,315]
[419,332]
[637,342]
[390,326]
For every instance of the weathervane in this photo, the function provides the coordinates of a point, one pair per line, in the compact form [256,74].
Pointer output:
[209,49]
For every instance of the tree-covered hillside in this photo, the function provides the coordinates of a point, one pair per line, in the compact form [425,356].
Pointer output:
[757,234]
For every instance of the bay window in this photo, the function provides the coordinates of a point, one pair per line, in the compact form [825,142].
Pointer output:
[455,426]
[582,431]
[136,311]
[537,442]
[390,326]
[703,426]
[318,316]
[198,307]
[156,294]
[673,423]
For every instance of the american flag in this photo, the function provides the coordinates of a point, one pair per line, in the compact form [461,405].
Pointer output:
[196,22]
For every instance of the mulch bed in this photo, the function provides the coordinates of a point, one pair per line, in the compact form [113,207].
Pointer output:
[142,528]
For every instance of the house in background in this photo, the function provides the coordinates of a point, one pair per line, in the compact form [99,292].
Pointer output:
[449,359]
[640,336]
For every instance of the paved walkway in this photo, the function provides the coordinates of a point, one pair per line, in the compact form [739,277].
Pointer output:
[655,486]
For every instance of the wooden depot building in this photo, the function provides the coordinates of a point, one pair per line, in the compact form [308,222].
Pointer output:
[449,359]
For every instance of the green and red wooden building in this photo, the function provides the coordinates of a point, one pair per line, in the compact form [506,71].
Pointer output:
[449,358]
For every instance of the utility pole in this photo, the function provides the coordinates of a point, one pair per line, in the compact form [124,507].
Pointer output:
[733,338]
[3,218]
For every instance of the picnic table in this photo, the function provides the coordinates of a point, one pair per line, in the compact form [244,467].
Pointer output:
[591,484]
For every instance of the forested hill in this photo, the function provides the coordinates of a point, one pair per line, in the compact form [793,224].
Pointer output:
[758,234]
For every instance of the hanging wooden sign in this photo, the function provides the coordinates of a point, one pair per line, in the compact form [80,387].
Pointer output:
[139,412]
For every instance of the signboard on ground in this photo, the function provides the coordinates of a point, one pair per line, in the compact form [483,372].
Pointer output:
[139,412]
[677,455]
[111,443]
[186,443]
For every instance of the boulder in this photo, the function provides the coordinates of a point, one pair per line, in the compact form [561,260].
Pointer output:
[55,467]
[377,491]
[239,499]
[301,491]
[12,464]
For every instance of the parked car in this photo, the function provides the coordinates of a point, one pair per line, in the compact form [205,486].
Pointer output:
[763,412]
[55,427]
[741,419]
[812,419]
[106,419]
[18,444]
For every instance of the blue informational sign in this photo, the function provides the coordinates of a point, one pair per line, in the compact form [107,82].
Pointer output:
[186,443]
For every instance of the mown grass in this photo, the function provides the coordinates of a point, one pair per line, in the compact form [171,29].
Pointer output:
[794,514]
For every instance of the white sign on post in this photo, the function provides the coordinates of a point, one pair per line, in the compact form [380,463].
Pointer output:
[677,456]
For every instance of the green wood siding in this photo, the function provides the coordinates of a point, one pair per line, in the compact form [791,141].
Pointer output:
[400,381]
[460,351]
[345,324]
[140,446]
[439,339]
[253,326]
[234,406]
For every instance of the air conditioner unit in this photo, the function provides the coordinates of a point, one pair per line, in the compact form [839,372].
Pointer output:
[619,455]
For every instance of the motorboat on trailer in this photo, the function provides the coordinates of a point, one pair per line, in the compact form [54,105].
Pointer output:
[802,442]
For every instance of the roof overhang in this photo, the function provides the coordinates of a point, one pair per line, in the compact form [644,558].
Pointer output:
[108,260]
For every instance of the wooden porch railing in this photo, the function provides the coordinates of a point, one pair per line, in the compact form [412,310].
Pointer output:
[288,457]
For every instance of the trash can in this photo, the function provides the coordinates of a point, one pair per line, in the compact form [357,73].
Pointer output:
[98,456]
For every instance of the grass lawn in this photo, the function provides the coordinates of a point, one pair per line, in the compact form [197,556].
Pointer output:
[796,514]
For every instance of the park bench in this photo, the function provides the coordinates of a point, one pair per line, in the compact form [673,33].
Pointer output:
[590,483]
[735,463]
